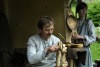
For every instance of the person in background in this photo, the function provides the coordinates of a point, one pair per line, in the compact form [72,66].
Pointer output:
[86,33]
[42,47]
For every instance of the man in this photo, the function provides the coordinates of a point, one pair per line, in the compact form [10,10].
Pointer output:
[42,47]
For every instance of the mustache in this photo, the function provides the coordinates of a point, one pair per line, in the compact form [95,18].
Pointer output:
[49,34]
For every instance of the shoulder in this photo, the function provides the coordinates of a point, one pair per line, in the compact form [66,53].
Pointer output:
[55,38]
[34,37]
[89,22]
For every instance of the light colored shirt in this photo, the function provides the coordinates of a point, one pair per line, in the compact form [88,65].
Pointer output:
[36,51]
[86,29]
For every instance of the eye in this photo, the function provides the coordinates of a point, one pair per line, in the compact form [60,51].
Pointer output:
[47,29]
[52,29]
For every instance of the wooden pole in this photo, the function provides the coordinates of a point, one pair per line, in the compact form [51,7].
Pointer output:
[64,51]
[68,32]
[58,56]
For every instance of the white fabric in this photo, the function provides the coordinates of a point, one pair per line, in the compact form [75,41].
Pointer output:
[36,51]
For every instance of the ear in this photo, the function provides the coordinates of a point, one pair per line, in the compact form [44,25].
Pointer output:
[40,30]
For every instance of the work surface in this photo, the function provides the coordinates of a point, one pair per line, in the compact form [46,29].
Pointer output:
[77,53]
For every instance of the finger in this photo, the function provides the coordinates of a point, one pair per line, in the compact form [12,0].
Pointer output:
[52,48]
[56,47]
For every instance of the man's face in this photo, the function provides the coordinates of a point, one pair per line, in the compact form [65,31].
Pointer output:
[47,31]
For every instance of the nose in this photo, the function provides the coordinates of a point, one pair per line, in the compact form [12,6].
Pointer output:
[84,10]
[50,32]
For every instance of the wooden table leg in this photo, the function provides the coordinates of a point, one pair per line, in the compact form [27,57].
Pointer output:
[70,63]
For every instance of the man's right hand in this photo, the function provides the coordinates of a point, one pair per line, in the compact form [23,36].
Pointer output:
[52,48]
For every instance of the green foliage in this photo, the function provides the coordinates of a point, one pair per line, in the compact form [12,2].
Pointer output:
[95,49]
[96,24]
[94,12]
[97,30]
[73,8]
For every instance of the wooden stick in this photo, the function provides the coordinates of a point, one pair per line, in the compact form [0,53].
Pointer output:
[58,56]
[64,55]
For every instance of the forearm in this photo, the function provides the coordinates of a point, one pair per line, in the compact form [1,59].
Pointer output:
[89,39]
[91,36]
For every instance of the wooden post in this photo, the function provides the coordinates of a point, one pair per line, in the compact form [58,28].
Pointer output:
[68,36]
[68,32]
[58,56]
[61,55]
[64,51]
